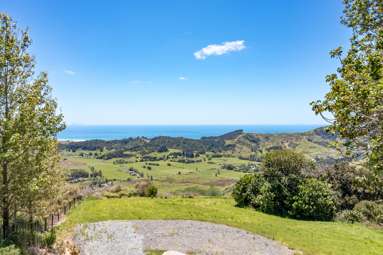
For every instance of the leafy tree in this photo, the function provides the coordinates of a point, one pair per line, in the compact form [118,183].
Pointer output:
[285,170]
[355,100]
[314,201]
[28,126]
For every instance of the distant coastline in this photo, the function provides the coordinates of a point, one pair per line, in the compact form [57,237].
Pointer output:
[115,132]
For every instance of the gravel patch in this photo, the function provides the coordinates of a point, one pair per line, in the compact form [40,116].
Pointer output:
[191,237]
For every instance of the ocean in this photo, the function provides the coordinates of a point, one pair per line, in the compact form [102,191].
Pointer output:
[109,132]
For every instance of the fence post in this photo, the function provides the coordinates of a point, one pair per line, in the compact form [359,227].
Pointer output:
[52,217]
[45,224]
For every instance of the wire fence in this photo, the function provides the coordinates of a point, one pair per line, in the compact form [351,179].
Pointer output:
[31,232]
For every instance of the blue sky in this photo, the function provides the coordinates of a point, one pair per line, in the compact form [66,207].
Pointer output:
[136,62]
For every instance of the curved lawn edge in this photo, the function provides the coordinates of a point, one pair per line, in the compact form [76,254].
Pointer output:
[310,237]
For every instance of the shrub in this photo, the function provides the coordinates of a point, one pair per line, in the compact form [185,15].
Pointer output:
[9,250]
[151,191]
[349,216]
[246,188]
[228,167]
[146,189]
[77,174]
[371,212]
[353,185]
[265,199]
[314,201]
[48,239]
[285,163]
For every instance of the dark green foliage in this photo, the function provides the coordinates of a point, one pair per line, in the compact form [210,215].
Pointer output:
[162,148]
[77,174]
[115,154]
[283,188]
[146,189]
[264,199]
[284,171]
[228,167]
[241,192]
[314,201]
[353,185]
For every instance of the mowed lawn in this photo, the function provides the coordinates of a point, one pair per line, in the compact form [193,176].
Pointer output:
[306,236]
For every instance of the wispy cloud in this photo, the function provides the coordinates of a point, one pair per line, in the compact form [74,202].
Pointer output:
[219,49]
[182,78]
[69,72]
[139,82]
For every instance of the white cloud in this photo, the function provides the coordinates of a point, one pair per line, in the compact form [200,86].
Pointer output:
[182,78]
[69,72]
[219,49]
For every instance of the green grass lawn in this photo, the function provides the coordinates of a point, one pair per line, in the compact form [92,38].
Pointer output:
[306,236]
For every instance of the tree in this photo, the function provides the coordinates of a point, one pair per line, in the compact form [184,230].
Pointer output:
[285,170]
[29,124]
[314,201]
[355,100]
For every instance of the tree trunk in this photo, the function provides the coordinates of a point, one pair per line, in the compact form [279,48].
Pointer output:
[5,212]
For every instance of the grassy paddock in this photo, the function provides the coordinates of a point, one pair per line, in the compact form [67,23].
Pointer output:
[307,236]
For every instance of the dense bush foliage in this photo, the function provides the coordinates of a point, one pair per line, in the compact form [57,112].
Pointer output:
[371,212]
[9,250]
[281,188]
[314,201]
[241,192]
[146,189]
[353,185]
[285,186]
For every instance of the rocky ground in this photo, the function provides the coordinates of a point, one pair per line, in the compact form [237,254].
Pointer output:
[189,237]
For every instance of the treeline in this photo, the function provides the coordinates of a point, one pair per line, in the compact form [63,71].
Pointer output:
[146,145]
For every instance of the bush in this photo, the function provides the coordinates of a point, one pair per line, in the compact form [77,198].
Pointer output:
[371,212]
[265,200]
[246,188]
[48,239]
[353,185]
[314,201]
[9,250]
[146,189]
[151,191]
[285,170]
[77,174]
[349,216]
[286,163]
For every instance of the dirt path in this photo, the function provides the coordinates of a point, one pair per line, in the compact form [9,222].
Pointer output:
[134,237]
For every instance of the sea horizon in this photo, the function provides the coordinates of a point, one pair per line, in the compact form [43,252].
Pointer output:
[116,132]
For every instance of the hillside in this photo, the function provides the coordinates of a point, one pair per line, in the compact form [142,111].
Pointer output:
[316,144]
